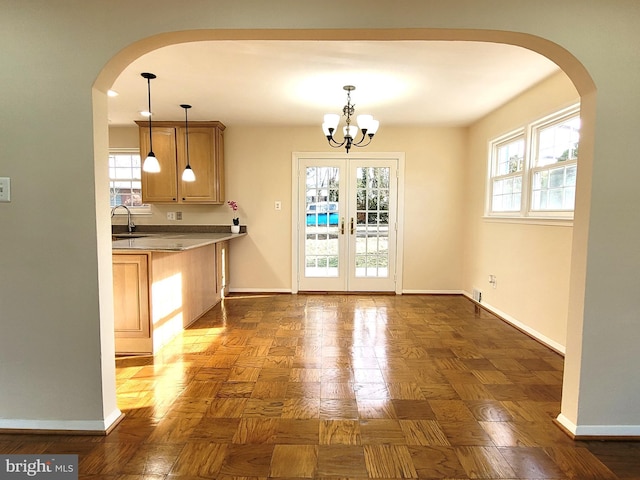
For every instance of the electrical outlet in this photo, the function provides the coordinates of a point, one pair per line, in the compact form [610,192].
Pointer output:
[171,215]
[278,205]
[178,215]
[5,189]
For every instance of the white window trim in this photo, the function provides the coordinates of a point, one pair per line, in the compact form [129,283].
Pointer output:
[144,209]
[525,214]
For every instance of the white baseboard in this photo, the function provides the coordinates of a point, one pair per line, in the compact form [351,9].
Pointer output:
[598,430]
[432,292]
[521,326]
[62,425]
[259,290]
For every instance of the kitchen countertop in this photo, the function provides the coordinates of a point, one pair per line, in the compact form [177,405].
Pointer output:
[168,242]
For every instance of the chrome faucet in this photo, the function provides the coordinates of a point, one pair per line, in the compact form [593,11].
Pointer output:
[130,223]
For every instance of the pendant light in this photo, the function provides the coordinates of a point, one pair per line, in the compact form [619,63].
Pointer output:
[150,164]
[187,175]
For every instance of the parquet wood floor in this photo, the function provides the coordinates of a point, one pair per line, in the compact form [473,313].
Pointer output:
[341,387]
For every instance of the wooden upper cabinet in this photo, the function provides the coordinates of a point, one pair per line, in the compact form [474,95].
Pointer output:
[160,187]
[206,156]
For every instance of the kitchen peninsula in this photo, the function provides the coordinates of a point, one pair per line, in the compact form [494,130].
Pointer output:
[163,282]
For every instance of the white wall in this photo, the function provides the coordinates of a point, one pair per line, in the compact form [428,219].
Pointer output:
[259,172]
[531,261]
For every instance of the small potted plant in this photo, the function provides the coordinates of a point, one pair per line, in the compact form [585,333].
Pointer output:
[235,228]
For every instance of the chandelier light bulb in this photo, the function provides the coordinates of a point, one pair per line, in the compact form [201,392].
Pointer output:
[350,131]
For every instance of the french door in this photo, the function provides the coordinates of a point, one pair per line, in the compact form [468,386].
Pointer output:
[347,224]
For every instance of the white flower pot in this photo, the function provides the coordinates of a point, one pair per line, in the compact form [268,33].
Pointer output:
[235,228]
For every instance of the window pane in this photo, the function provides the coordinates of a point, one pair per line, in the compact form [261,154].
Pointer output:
[507,195]
[571,175]
[558,142]
[555,199]
[554,189]
[510,157]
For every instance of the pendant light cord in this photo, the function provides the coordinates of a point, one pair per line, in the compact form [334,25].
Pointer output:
[149,97]
[186,130]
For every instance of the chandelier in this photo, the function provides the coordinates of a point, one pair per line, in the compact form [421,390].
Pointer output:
[368,126]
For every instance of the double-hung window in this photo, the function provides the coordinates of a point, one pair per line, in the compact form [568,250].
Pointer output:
[508,174]
[125,184]
[555,164]
[533,169]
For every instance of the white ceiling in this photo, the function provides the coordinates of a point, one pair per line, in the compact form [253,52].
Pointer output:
[297,82]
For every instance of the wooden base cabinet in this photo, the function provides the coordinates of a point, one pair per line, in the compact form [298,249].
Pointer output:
[157,294]
[131,304]
[206,157]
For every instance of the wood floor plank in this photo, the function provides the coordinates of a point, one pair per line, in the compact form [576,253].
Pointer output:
[340,432]
[389,461]
[201,459]
[484,462]
[294,461]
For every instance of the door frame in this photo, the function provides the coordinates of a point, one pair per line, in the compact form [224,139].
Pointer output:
[295,213]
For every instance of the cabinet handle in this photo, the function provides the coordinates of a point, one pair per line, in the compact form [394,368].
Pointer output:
[342,227]
[352,228]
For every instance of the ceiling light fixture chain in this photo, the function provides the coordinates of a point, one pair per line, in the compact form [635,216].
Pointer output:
[368,126]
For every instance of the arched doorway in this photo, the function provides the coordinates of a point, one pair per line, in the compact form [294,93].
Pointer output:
[565,60]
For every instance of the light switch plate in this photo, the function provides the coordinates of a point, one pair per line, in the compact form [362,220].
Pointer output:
[5,189]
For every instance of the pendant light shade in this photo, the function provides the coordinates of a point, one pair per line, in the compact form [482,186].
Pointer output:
[188,174]
[150,164]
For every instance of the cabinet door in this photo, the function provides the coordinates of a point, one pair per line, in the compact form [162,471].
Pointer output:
[203,160]
[160,187]
[132,323]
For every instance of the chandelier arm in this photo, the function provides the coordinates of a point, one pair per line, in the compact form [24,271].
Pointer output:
[360,144]
[334,143]
[364,137]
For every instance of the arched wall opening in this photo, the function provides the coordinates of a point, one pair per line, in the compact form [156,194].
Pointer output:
[564,59]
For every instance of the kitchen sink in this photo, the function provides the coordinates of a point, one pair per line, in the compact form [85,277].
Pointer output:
[121,236]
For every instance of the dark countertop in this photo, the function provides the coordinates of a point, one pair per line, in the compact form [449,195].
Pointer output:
[169,241]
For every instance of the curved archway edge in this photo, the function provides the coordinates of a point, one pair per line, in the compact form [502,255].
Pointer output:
[563,58]
[571,66]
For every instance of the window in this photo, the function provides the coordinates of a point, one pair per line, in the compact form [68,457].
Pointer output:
[506,187]
[533,169]
[125,184]
[555,165]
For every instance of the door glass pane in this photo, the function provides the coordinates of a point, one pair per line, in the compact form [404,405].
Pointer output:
[322,222]
[372,222]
